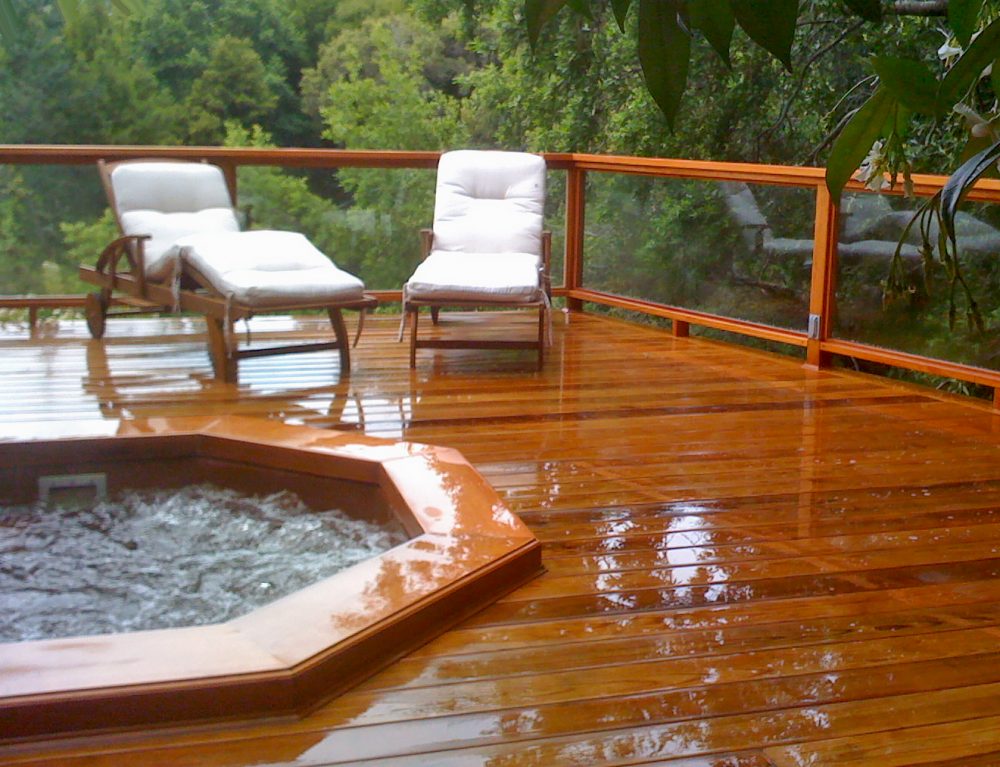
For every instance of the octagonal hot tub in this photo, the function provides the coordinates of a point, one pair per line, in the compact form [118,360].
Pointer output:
[465,550]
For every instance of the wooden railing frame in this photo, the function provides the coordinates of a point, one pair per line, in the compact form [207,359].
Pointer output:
[817,340]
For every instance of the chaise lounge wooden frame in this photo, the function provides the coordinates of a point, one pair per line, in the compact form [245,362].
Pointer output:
[120,269]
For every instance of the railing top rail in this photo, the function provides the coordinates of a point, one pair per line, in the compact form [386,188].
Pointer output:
[700,169]
[781,175]
[80,154]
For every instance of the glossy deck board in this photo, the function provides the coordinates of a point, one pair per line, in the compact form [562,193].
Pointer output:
[749,563]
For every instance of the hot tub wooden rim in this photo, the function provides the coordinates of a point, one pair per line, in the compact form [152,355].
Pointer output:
[117,682]
[289,691]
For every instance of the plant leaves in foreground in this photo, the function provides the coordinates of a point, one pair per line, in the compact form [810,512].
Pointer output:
[770,24]
[969,67]
[537,13]
[664,51]
[620,7]
[856,139]
[962,18]
[910,81]
[961,181]
[715,20]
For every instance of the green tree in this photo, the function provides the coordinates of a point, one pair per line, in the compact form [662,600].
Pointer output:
[233,86]
[380,86]
[179,41]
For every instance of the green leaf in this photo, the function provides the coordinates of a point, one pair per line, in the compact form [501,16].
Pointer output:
[995,77]
[537,13]
[974,146]
[70,10]
[620,7]
[770,24]
[969,67]
[715,20]
[857,138]
[962,18]
[10,22]
[582,7]
[902,115]
[664,51]
[869,10]
[910,81]
[127,6]
[961,182]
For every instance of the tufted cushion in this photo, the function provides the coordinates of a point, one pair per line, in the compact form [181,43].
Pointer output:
[268,268]
[489,202]
[166,228]
[167,201]
[477,277]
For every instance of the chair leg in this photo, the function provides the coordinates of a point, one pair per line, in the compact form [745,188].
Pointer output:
[413,339]
[343,339]
[225,366]
[361,326]
[542,317]
[435,313]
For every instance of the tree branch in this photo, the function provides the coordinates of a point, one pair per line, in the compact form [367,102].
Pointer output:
[920,7]
[803,71]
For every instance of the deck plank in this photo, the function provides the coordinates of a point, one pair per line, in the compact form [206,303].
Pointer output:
[750,564]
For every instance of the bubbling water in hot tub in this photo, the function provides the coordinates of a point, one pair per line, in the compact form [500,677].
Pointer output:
[165,558]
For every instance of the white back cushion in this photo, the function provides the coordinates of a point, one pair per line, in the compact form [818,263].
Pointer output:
[489,202]
[169,187]
[170,200]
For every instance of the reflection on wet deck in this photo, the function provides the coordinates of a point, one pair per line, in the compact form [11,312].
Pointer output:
[749,563]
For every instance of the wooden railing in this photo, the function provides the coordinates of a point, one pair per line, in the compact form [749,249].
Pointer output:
[818,342]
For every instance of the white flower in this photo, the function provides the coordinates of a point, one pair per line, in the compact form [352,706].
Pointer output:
[979,126]
[948,51]
[873,168]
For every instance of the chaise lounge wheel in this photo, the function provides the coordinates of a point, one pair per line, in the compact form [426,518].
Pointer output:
[96,310]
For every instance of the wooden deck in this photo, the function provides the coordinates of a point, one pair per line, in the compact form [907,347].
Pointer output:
[748,563]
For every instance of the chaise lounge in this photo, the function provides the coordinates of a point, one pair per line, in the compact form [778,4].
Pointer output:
[181,249]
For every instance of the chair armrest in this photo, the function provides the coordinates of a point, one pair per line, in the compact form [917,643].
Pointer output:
[131,248]
[426,242]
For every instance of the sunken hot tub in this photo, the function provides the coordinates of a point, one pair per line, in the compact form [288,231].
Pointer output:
[465,550]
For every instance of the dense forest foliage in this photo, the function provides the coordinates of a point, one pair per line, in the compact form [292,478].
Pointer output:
[439,74]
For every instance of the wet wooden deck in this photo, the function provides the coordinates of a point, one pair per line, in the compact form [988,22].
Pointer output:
[748,563]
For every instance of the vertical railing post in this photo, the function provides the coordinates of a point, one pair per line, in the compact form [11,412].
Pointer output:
[229,171]
[823,288]
[576,197]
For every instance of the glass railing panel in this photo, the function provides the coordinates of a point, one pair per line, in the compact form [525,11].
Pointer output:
[50,222]
[55,218]
[555,222]
[366,219]
[918,318]
[738,251]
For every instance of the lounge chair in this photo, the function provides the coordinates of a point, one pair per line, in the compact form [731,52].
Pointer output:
[486,249]
[181,249]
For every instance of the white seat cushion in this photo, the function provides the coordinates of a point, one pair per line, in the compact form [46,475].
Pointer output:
[160,252]
[476,277]
[268,268]
[168,200]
